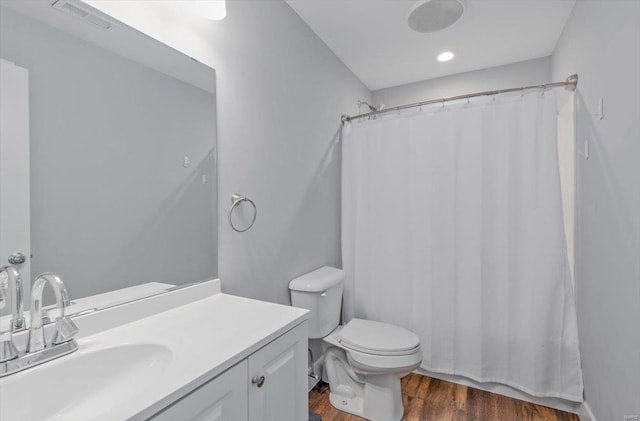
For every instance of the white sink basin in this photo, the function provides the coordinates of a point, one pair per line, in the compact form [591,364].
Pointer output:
[90,381]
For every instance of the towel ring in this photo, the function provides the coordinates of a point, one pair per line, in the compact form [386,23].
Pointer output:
[236,199]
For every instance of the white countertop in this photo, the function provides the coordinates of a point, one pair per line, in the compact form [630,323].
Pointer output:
[205,338]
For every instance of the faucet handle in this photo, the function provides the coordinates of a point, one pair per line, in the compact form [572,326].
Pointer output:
[8,350]
[65,330]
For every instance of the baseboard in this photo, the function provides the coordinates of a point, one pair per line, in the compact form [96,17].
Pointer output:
[584,413]
[501,389]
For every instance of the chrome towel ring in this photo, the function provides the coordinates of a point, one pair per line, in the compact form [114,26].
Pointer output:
[236,199]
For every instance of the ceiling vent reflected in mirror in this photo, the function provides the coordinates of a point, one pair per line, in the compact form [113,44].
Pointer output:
[434,15]
[80,11]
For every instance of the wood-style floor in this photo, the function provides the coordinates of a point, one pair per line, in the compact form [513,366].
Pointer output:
[431,399]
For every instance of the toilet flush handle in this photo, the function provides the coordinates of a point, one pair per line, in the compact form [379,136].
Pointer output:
[324,294]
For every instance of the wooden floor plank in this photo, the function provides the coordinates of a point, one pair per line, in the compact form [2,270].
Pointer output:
[415,411]
[423,386]
[460,396]
[431,399]
[440,400]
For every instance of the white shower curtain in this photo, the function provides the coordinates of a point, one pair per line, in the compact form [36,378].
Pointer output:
[453,228]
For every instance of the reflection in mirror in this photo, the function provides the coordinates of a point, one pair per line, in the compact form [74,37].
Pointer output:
[122,134]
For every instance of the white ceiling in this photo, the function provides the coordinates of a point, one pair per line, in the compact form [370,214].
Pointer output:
[372,37]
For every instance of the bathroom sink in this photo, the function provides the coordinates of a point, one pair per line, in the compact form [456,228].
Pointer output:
[82,384]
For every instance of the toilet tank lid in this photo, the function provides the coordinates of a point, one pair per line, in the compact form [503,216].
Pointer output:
[318,281]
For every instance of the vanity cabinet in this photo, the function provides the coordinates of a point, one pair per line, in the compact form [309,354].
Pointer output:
[270,384]
[278,373]
[223,398]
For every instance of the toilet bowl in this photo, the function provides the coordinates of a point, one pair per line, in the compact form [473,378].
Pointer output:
[365,363]
[364,360]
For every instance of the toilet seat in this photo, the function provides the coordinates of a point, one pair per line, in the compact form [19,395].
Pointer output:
[377,348]
[379,364]
[377,338]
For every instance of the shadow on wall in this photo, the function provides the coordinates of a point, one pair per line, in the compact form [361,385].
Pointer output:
[173,241]
[162,242]
[300,219]
[321,186]
[604,242]
[601,179]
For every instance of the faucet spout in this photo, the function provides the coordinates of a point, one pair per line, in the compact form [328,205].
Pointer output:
[65,327]
[11,287]
[38,350]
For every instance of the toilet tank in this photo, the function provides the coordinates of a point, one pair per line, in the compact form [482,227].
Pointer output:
[320,292]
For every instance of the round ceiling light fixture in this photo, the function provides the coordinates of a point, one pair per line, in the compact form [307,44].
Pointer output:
[434,15]
[209,9]
[445,56]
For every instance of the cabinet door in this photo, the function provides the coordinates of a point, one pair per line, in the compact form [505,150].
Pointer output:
[282,394]
[223,398]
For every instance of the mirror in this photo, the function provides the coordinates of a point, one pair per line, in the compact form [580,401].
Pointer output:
[122,133]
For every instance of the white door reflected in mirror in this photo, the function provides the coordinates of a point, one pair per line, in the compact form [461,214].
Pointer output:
[15,230]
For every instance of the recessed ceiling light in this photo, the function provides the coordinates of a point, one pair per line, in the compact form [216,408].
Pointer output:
[445,56]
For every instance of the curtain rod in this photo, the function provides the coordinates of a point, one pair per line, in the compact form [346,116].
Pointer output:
[570,85]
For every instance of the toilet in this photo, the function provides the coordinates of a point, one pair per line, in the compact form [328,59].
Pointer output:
[364,360]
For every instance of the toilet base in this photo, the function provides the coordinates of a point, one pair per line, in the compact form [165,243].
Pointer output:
[374,397]
[352,405]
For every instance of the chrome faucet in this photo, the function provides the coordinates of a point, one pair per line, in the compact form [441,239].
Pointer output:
[65,328]
[38,350]
[10,290]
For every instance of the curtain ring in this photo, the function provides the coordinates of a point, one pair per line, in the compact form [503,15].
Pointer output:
[442,102]
[236,199]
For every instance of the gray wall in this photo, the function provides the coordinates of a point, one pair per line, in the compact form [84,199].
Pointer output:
[601,42]
[281,92]
[530,72]
[112,205]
